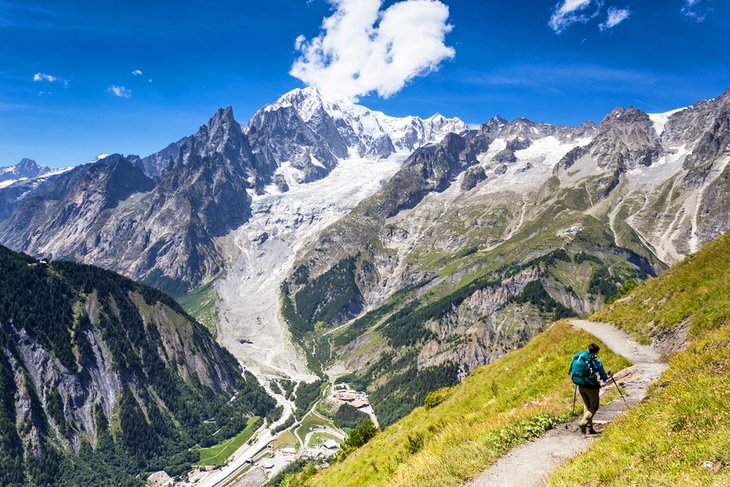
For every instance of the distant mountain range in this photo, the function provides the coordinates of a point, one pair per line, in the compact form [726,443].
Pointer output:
[439,246]
[158,218]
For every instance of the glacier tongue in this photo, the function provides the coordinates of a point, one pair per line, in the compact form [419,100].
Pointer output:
[262,253]
[659,120]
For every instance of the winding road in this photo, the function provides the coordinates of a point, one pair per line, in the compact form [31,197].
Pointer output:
[530,464]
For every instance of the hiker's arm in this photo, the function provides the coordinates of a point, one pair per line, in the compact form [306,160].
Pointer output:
[601,372]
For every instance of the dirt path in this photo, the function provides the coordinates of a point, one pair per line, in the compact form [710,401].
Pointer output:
[528,465]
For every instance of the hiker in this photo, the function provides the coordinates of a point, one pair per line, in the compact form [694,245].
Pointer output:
[583,370]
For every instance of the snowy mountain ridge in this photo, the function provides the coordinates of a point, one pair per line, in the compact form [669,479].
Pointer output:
[304,134]
[406,133]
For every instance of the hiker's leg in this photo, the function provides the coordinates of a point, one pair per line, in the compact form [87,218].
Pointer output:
[587,414]
[593,404]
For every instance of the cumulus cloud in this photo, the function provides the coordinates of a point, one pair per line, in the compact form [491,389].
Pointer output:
[137,72]
[49,78]
[696,9]
[615,17]
[119,91]
[569,12]
[363,49]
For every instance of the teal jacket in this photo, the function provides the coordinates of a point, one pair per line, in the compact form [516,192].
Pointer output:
[590,382]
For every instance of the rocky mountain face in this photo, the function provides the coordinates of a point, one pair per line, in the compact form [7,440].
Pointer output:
[114,373]
[306,134]
[474,246]
[472,243]
[26,168]
[161,218]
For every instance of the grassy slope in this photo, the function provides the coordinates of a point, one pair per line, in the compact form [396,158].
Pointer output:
[201,304]
[219,454]
[685,422]
[496,407]
[697,289]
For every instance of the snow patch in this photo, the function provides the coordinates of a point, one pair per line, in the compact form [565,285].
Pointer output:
[659,120]
[549,150]
[9,182]
[262,253]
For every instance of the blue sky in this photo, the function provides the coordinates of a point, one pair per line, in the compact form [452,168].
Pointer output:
[197,56]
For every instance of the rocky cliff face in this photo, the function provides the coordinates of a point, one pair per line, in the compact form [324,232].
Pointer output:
[160,218]
[580,211]
[86,355]
[26,168]
[110,213]
[307,134]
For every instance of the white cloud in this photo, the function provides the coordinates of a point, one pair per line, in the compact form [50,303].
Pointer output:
[696,9]
[569,12]
[615,17]
[49,78]
[137,72]
[119,91]
[363,49]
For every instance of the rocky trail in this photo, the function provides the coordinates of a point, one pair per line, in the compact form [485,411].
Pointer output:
[529,465]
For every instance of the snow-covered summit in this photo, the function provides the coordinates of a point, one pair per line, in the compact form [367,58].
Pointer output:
[312,132]
[26,168]
[406,133]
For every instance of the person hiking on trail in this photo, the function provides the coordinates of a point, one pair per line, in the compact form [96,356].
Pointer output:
[583,370]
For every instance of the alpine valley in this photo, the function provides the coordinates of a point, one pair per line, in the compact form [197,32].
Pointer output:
[325,240]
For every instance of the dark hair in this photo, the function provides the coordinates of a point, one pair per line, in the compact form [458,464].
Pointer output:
[593,348]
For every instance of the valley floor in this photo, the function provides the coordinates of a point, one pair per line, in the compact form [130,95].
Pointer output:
[262,254]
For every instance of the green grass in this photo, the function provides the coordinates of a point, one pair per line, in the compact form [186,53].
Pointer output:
[685,421]
[218,455]
[286,438]
[666,439]
[697,290]
[318,439]
[495,408]
[309,421]
[201,305]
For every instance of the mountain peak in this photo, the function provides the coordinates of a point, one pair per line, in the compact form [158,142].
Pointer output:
[624,115]
[305,101]
[222,114]
[221,124]
[26,168]
[26,164]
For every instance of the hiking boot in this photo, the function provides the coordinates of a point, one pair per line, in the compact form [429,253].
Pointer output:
[582,428]
[591,431]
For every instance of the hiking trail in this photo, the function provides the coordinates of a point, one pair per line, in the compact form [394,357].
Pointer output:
[530,464]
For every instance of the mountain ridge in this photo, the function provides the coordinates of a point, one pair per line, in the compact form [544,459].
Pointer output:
[104,378]
[201,190]
[555,223]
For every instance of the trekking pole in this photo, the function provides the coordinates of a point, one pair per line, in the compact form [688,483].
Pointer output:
[619,391]
[575,393]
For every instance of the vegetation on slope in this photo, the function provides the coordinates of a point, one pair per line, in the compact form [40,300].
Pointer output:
[201,305]
[394,382]
[167,385]
[696,291]
[219,454]
[472,424]
[681,434]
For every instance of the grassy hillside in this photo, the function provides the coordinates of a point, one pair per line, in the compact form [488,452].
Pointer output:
[480,286]
[103,378]
[681,434]
[495,408]
[697,290]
